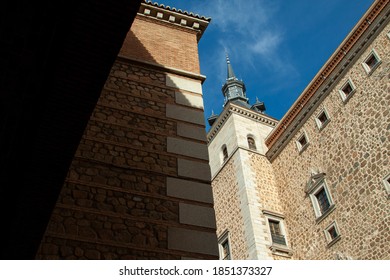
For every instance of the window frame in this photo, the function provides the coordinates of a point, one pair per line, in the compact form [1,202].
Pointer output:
[345,97]
[368,68]
[332,240]
[321,185]
[277,248]
[279,222]
[225,237]
[320,124]
[301,147]
[279,218]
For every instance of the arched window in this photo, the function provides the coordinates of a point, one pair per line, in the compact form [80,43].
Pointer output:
[225,154]
[251,143]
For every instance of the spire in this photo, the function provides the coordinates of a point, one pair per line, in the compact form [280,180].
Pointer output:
[234,90]
[230,72]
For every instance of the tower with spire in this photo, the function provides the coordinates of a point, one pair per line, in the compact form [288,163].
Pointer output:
[236,145]
[234,92]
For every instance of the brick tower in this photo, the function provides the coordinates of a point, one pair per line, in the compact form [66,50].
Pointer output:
[139,184]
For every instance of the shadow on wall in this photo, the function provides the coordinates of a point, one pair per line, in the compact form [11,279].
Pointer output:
[114,203]
[54,61]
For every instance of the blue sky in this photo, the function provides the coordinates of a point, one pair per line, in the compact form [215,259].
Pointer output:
[275,46]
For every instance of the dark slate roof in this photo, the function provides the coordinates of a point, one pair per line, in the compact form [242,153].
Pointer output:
[240,103]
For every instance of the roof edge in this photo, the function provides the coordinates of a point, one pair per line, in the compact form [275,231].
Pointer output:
[175,16]
[338,55]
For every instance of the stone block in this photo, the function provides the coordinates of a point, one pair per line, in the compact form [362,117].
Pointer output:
[189,190]
[192,241]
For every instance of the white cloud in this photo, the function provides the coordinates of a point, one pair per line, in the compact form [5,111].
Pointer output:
[266,43]
[248,31]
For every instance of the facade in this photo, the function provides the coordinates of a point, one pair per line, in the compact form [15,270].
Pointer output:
[314,185]
[139,184]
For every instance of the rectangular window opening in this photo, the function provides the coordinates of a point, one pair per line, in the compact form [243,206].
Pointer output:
[371,62]
[225,250]
[302,142]
[332,234]
[347,89]
[224,247]
[276,233]
[322,119]
[323,201]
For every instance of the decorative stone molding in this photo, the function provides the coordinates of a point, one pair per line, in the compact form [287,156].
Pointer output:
[314,180]
[271,213]
[232,108]
[281,251]
[174,16]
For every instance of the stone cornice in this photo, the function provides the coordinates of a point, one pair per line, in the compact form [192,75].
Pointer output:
[232,108]
[322,84]
[175,17]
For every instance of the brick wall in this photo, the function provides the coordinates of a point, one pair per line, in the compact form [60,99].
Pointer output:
[162,44]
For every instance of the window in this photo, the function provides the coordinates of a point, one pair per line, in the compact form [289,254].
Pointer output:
[321,199]
[225,154]
[251,143]
[371,62]
[302,142]
[347,90]
[279,245]
[224,247]
[332,234]
[322,119]
[276,233]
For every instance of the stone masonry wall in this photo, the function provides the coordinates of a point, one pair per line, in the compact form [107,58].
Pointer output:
[265,180]
[269,199]
[139,184]
[353,151]
[228,210]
